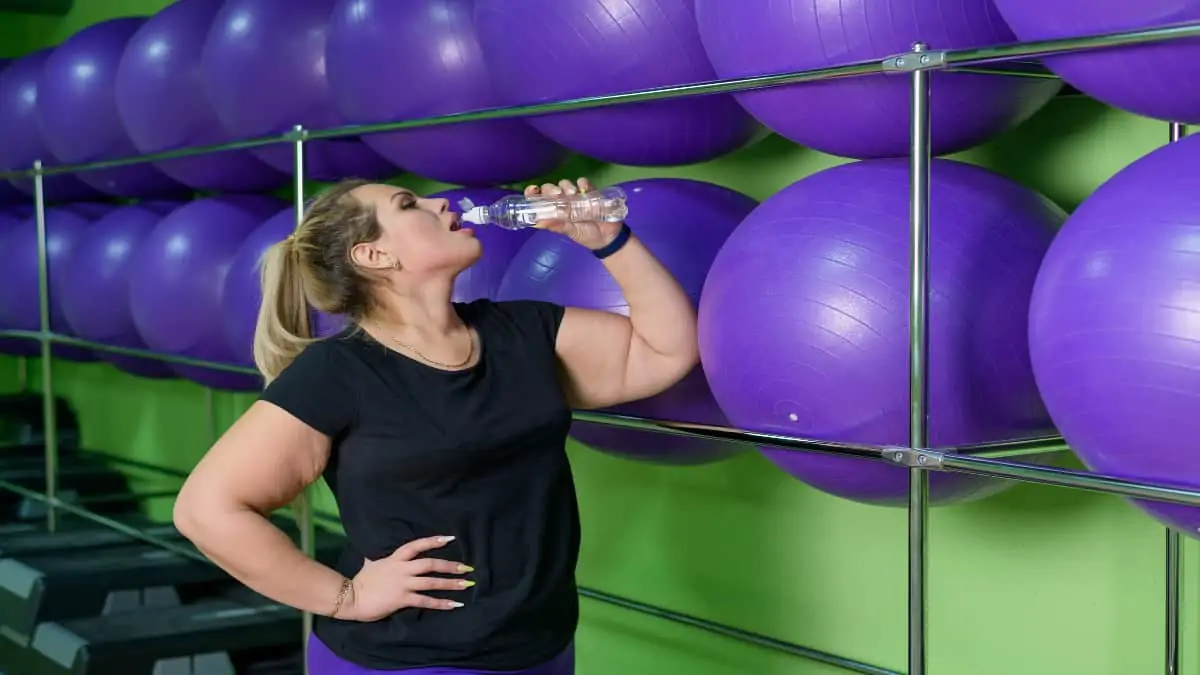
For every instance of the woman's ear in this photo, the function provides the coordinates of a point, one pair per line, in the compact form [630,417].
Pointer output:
[367,256]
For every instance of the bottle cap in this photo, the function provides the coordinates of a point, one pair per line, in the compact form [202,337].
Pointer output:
[476,215]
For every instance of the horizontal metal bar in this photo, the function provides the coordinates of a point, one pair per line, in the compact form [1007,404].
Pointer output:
[138,464]
[658,93]
[126,351]
[736,633]
[1044,48]
[718,433]
[1008,448]
[192,151]
[707,88]
[1021,451]
[696,89]
[949,460]
[327,517]
[119,460]
[951,59]
[710,432]
[110,523]
[503,112]
[1081,480]
[1025,69]
[41,8]
[1032,445]
[118,497]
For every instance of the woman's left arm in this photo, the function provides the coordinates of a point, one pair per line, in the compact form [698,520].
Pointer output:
[608,358]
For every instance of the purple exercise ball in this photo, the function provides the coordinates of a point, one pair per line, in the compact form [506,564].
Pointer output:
[89,210]
[10,219]
[178,281]
[684,223]
[500,246]
[1113,332]
[242,294]
[867,117]
[21,139]
[548,50]
[264,69]
[9,194]
[164,106]
[1154,80]
[94,293]
[77,111]
[19,296]
[804,327]
[418,35]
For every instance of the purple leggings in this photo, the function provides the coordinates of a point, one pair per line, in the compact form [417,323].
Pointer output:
[321,661]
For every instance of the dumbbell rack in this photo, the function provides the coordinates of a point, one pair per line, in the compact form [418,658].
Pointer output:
[990,459]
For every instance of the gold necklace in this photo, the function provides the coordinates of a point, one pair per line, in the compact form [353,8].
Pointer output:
[448,366]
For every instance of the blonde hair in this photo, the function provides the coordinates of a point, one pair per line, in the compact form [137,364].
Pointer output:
[311,269]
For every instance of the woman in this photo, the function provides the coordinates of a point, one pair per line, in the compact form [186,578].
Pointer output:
[440,428]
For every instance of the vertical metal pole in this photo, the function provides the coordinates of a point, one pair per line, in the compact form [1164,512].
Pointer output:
[1174,579]
[49,411]
[23,374]
[918,436]
[304,518]
[1174,545]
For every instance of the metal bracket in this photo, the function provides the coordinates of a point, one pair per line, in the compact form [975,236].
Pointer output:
[914,61]
[296,133]
[911,457]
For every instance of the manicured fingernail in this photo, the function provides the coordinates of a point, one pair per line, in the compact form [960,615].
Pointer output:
[465,568]
[446,539]
[466,584]
[455,605]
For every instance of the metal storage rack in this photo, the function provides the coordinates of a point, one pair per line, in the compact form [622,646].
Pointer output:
[990,459]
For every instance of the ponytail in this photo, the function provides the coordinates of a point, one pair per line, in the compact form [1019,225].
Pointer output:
[283,329]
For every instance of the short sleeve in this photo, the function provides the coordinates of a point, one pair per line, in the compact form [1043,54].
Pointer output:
[533,319]
[313,389]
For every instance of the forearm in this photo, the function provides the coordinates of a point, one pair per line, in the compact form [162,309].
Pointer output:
[660,312]
[255,552]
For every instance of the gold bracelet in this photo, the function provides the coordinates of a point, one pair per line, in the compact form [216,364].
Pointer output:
[347,589]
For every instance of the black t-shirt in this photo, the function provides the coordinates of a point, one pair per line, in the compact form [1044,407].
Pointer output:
[479,454]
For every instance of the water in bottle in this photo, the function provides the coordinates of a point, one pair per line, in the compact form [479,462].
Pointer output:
[517,212]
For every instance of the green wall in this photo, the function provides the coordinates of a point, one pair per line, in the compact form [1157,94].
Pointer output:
[1036,581]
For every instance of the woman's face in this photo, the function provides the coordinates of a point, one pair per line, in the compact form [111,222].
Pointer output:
[422,234]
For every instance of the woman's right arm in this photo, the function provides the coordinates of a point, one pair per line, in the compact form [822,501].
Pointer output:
[261,464]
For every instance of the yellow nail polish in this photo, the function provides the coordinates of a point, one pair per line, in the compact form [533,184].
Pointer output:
[465,568]
[467,584]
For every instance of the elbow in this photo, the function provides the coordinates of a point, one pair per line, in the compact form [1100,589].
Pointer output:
[673,361]
[185,515]
[689,338]
[195,511]
[687,361]
[675,366]
[686,354]
[691,349]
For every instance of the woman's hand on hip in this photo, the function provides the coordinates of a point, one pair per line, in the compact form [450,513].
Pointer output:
[385,586]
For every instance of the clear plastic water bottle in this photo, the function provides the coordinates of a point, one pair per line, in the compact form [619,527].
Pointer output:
[517,212]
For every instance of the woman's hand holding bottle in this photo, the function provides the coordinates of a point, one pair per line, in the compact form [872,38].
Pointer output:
[593,234]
